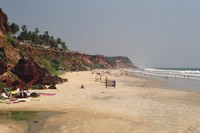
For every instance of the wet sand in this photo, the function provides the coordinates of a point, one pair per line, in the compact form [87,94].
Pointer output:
[136,105]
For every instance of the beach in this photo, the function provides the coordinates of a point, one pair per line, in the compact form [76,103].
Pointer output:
[135,105]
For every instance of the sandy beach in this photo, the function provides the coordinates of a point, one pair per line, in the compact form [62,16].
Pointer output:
[136,105]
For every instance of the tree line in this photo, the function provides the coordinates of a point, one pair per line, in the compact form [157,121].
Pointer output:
[35,37]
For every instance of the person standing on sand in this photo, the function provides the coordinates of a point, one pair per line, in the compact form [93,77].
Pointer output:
[9,98]
[106,82]
[82,87]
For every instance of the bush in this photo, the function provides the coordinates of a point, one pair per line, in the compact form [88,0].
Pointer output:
[55,63]
[3,57]
[35,87]
[2,85]
[11,39]
[21,53]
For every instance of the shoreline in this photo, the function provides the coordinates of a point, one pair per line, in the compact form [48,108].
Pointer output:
[139,104]
[169,82]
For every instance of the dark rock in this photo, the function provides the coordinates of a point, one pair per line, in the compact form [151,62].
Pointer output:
[5,78]
[16,82]
[34,94]
[4,27]
[65,80]
[52,86]
[42,87]
[48,80]
[31,73]
[28,71]
[3,67]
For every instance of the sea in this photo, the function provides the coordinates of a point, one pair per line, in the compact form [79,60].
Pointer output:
[179,78]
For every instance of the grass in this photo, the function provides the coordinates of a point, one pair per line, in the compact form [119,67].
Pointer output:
[46,64]
[35,87]
[18,115]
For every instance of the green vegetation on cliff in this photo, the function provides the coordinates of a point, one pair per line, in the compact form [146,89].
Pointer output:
[30,59]
[53,55]
[114,61]
[35,38]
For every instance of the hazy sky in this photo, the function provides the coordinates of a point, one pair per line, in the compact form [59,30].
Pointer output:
[152,33]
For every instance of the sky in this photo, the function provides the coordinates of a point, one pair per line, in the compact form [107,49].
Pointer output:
[152,33]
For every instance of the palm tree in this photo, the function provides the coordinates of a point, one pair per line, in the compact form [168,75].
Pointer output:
[35,36]
[53,43]
[45,38]
[37,31]
[58,41]
[24,28]
[24,35]
[64,46]
[14,28]
[46,33]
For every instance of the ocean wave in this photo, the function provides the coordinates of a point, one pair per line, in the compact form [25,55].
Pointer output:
[178,73]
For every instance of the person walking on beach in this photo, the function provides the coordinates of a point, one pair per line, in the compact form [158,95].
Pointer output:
[9,98]
[106,82]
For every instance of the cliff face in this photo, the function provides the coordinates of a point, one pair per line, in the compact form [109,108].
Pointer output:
[4,28]
[17,71]
[25,64]
[8,54]
[3,67]
[73,61]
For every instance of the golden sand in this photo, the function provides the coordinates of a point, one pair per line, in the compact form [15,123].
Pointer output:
[136,105]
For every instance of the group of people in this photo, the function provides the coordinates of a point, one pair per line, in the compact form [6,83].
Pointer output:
[18,93]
